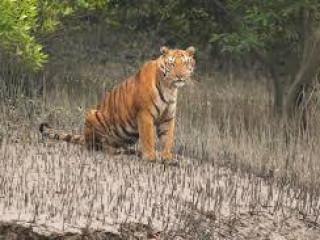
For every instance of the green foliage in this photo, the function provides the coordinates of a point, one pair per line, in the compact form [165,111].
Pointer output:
[264,24]
[23,22]
[178,22]
[17,21]
[234,26]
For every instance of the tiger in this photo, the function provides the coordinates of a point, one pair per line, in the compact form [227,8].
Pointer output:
[142,108]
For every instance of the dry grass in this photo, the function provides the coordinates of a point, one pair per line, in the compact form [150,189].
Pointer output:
[235,164]
[237,122]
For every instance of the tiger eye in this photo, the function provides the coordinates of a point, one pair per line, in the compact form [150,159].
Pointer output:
[170,59]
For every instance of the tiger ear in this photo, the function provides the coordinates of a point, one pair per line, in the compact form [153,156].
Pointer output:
[190,50]
[164,50]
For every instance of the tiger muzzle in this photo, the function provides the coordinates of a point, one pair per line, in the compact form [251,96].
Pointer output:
[180,82]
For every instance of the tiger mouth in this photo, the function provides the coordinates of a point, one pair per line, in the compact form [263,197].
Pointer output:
[179,82]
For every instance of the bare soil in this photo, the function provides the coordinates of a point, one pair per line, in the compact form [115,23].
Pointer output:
[66,192]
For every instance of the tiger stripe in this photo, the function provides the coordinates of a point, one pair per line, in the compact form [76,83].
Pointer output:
[135,108]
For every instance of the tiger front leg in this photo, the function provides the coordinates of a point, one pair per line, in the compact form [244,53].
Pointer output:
[146,135]
[165,133]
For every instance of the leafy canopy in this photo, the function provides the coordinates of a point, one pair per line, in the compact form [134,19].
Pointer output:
[23,21]
[234,26]
[266,24]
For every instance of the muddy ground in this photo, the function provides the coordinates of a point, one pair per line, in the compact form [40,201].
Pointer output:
[65,192]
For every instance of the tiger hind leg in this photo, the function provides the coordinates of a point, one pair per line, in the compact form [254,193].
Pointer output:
[93,140]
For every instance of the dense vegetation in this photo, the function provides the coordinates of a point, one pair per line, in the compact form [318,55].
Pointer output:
[283,35]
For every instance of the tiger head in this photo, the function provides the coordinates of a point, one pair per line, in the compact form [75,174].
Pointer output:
[176,66]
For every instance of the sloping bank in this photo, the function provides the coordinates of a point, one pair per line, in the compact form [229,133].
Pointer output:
[9,231]
[13,231]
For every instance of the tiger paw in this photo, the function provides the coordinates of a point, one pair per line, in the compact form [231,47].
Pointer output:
[169,162]
[149,158]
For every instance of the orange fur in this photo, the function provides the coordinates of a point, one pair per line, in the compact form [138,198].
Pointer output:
[134,109]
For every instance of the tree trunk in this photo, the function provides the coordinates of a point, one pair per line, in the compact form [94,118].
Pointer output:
[279,92]
[306,73]
[292,70]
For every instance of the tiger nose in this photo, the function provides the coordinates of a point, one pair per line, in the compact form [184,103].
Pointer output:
[179,75]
